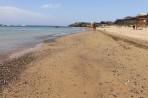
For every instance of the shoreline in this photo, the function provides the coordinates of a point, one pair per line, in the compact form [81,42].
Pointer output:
[20,51]
[87,64]
[25,38]
[17,62]
[11,69]
[16,53]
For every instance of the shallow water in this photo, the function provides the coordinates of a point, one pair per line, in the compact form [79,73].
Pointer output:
[17,38]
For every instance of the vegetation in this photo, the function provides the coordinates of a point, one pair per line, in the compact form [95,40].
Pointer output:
[1,25]
[87,24]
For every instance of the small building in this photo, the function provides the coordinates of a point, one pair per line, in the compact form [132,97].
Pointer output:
[127,21]
[140,21]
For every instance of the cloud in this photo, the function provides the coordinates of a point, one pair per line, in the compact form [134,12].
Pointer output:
[13,15]
[51,5]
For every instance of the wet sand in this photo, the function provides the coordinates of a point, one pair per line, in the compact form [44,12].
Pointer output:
[91,64]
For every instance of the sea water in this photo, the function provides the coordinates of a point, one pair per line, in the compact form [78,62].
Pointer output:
[17,38]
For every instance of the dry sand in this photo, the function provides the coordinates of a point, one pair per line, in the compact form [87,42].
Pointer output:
[127,31]
[91,64]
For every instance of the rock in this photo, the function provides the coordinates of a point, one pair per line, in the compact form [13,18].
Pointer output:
[114,94]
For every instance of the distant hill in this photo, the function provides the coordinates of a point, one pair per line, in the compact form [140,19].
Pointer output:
[80,24]
[2,25]
[87,24]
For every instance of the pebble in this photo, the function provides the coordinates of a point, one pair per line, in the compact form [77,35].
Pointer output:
[114,94]
[11,69]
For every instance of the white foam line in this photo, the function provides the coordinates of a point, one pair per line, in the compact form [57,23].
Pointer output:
[18,54]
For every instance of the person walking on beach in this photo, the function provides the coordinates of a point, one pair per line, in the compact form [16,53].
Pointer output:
[134,27]
[93,25]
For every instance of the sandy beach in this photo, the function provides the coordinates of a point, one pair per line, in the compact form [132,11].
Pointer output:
[90,64]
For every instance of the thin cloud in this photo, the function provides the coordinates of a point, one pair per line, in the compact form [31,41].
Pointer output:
[15,15]
[51,5]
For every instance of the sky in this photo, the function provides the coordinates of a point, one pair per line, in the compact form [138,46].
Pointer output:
[65,12]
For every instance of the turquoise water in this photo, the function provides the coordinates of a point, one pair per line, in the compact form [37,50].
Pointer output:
[13,38]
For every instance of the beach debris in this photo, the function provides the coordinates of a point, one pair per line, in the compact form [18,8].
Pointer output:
[114,94]
[128,81]
[125,83]
[85,92]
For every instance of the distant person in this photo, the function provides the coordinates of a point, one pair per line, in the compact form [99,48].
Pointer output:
[134,27]
[94,26]
[91,24]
